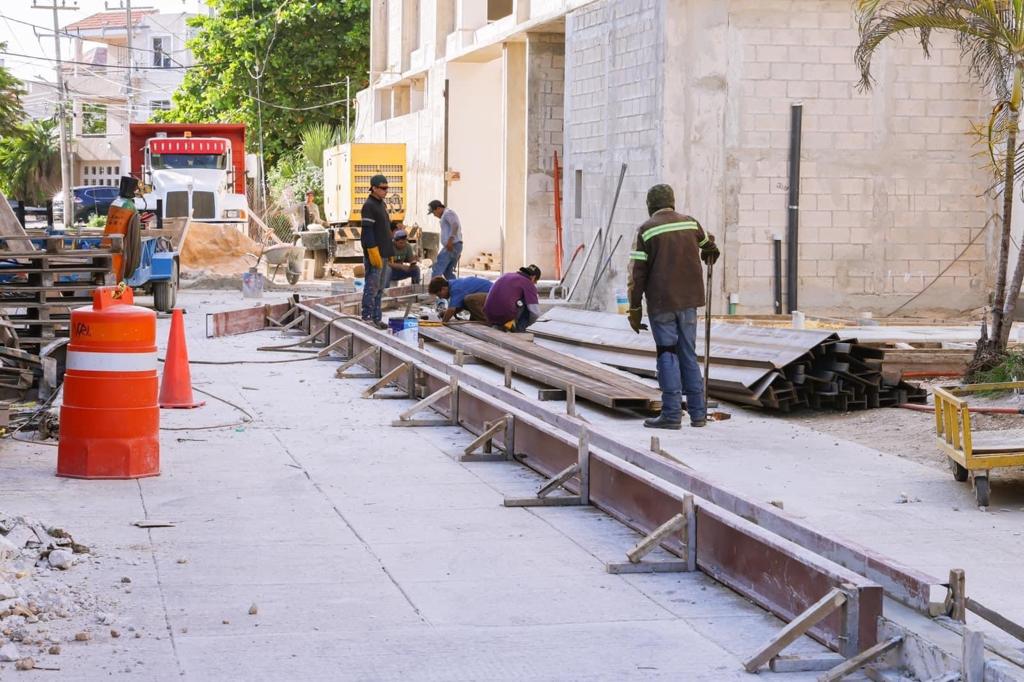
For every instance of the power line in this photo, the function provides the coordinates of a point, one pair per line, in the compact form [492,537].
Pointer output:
[79,36]
[116,66]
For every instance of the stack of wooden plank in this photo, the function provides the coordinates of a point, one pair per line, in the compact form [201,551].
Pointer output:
[773,368]
[518,355]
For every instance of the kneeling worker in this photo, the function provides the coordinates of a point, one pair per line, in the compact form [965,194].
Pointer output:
[404,262]
[513,303]
[665,268]
[463,293]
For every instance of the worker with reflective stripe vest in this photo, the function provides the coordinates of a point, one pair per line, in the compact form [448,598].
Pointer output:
[665,267]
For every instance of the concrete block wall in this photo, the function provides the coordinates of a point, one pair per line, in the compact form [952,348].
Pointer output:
[613,76]
[545,85]
[890,193]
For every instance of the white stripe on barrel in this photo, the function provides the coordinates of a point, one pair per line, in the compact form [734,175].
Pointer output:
[111,362]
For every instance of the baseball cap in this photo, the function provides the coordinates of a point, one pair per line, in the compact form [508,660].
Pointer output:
[378,180]
[399,234]
[433,206]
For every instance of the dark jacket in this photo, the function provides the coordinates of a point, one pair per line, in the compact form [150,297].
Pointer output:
[665,264]
[376,227]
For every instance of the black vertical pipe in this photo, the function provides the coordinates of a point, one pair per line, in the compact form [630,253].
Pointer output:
[49,212]
[793,224]
[159,214]
[777,280]
[19,211]
[444,171]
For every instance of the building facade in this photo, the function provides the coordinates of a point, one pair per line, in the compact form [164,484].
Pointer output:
[113,85]
[699,94]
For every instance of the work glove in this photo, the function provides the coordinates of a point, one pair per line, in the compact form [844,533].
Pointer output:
[710,254]
[635,317]
[373,253]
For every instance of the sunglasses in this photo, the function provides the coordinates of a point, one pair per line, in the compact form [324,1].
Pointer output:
[383,187]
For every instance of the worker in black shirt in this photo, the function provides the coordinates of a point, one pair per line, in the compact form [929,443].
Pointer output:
[377,249]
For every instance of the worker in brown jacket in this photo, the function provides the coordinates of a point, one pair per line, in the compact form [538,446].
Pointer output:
[665,267]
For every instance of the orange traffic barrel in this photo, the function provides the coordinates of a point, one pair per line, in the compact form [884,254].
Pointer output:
[109,420]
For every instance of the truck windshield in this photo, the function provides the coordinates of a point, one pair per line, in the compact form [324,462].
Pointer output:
[208,161]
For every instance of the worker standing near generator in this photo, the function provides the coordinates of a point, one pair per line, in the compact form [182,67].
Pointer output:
[378,248]
[665,267]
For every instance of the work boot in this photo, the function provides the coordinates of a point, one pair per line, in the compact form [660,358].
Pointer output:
[698,423]
[379,324]
[663,422]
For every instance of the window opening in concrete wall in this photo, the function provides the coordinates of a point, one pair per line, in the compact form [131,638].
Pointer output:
[162,51]
[578,199]
[498,9]
[400,100]
[417,94]
[445,25]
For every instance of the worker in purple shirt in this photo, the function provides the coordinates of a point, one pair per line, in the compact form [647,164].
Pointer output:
[512,303]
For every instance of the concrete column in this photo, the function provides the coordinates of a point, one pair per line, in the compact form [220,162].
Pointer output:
[379,36]
[469,16]
[513,109]
[444,24]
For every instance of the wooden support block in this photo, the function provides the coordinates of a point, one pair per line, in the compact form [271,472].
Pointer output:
[326,350]
[420,422]
[648,543]
[796,629]
[560,501]
[546,394]
[485,440]
[690,511]
[431,399]
[804,663]
[627,567]
[973,659]
[957,601]
[508,377]
[388,378]
[570,400]
[355,360]
[583,464]
[557,481]
[860,660]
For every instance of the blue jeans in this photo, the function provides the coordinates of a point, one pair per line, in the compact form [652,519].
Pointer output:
[446,261]
[399,275]
[675,335]
[373,290]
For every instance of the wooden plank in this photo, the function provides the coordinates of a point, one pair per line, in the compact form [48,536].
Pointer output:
[861,660]
[804,663]
[1002,622]
[796,629]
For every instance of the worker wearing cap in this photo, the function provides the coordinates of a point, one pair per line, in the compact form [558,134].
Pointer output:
[403,263]
[311,212]
[378,249]
[665,268]
[462,293]
[451,240]
[513,303]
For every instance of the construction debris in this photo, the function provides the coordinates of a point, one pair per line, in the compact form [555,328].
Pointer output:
[772,368]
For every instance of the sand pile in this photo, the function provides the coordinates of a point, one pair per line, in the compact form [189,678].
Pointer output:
[217,250]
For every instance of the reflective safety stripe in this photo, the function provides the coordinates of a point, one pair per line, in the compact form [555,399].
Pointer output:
[637,255]
[111,362]
[703,242]
[652,232]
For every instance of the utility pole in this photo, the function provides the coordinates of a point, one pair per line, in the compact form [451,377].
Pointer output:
[126,5]
[348,110]
[65,152]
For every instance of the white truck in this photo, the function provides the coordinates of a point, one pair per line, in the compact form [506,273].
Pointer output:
[196,170]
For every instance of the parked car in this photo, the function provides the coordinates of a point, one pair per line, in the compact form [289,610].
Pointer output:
[88,200]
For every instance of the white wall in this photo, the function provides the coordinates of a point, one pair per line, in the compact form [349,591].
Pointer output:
[475,152]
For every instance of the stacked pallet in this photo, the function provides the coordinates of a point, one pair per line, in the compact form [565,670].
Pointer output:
[772,368]
[38,289]
[485,261]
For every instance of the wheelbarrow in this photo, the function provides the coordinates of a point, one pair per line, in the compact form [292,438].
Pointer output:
[287,255]
[974,454]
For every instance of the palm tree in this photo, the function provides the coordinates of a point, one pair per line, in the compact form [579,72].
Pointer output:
[11,91]
[30,161]
[990,34]
[316,138]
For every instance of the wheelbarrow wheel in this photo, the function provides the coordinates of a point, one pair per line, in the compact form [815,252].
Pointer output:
[166,293]
[959,473]
[292,277]
[981,490]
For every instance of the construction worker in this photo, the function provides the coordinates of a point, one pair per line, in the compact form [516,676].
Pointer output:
[378,249]
[665,267]
[311,212]
[513,303]
[404,263]
[451,240]
[462,293]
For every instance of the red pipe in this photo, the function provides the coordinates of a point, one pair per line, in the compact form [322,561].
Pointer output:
[974,410]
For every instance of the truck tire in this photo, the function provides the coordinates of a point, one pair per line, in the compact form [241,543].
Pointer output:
[319,263]
[166,293]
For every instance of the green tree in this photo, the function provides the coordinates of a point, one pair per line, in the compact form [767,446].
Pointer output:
[990,34]
[316,139]
[294,56]
[30,161]
[11,91]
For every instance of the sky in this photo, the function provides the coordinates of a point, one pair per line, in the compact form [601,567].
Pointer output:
[23,39]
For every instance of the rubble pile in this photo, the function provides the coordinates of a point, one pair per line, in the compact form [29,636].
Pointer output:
[37,608]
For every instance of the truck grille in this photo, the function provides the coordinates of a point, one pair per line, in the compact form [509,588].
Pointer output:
[177,205]
[203,206]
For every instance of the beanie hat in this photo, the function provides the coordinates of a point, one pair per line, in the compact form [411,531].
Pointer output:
[659,197]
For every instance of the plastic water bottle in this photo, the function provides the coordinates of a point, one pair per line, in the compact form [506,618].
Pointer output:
[358,283]
[622,301]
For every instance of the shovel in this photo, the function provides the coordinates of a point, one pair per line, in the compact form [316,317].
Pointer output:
[712,416]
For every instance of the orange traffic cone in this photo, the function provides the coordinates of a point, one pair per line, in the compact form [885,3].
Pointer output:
[176,383]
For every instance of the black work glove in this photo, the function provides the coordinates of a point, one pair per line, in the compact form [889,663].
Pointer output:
[710,254]
[635,317]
